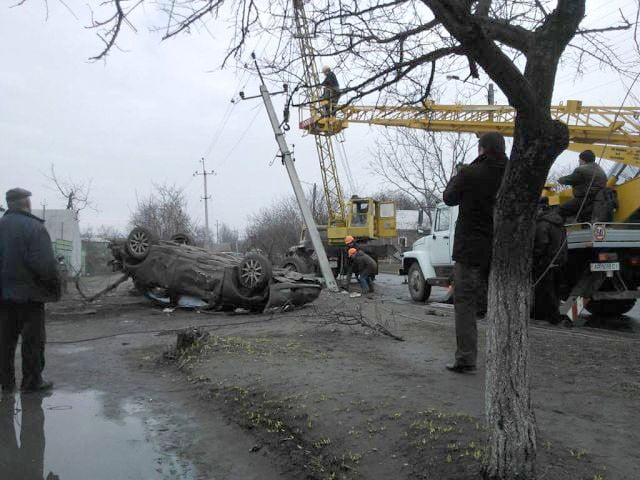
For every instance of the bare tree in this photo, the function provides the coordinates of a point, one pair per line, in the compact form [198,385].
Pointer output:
[394,49]
[164,212]
[76,194]
[402,200]
[226,234]
[419,163]
[275,228]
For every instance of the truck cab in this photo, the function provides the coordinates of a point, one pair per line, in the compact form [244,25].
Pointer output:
[429,262]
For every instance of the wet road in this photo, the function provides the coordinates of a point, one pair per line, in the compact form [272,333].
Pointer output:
[392,289]
[69,435]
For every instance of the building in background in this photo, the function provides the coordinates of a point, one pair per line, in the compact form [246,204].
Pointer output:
[407,224]
[64,230]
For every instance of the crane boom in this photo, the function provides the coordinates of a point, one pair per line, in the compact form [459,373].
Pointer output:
[613,132]
[324,143]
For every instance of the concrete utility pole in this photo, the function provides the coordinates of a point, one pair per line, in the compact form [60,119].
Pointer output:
[309,221]
[206,198]
[491,99]
[217,231]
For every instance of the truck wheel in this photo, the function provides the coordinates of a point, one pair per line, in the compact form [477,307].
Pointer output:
[610,308]
[418,288]
[254,272]
[296,264]
[139,243]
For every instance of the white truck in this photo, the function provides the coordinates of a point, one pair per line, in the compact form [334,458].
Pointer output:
[602,272]
[429,262]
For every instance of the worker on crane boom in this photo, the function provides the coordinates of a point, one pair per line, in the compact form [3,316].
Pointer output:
[331,92]
[587,180]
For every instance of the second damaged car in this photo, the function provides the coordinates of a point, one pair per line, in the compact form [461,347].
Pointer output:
[174,272]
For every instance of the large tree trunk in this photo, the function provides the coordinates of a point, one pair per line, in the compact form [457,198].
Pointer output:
[512,428]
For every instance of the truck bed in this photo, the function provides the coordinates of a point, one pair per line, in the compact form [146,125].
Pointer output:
[603,235]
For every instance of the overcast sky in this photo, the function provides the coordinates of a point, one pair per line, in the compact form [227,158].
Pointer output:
[151,112]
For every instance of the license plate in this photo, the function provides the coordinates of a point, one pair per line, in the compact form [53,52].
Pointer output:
[333,263]
[605,267]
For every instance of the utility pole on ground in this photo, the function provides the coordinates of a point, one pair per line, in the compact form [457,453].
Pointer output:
[309,221]
[206,198]
[217,231]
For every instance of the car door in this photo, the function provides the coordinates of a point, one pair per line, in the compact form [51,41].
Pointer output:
[441,240]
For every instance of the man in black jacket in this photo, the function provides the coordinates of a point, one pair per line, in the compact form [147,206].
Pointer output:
[473,188]
[28,279]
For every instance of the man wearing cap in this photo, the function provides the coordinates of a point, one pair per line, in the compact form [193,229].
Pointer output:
[587,180]
[474,189]
[28,279]
[331,90]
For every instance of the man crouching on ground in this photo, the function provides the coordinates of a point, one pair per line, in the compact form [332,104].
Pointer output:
[28,279]
[473,188]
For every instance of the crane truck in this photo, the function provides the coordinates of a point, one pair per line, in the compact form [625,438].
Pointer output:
[603,269]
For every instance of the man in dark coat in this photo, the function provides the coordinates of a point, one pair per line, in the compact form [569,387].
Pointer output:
[365,266]
[473,188]
[28,279]
[587,180]
[550,252]
[331,90]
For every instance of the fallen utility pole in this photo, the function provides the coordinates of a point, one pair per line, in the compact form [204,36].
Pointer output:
[309,221]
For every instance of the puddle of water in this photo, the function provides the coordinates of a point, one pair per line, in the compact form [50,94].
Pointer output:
[68,436]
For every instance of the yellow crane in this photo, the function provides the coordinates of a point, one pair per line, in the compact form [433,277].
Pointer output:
[363,218]
[612,133]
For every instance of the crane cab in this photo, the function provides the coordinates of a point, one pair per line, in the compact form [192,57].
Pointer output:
[366,219]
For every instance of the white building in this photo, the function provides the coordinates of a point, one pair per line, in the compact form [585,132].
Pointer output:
[64,230]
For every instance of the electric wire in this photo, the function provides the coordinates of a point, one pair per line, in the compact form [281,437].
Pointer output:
[163,331]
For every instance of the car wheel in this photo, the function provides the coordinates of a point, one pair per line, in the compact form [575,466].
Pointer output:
[610,308]
[418,288]
[254,272]
[295,264]
[182,239]
[139,243]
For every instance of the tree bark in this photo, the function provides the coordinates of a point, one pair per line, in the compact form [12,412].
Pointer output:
[511,420]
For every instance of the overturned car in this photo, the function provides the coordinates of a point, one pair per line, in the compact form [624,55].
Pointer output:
[176,273]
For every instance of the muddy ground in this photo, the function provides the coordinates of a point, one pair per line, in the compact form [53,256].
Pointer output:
[301,395]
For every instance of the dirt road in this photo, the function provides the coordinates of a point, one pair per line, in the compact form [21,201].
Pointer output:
[301,395]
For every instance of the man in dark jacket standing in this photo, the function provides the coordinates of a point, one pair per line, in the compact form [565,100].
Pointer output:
[587,180]
[473,188]
[550,252]
[28,279]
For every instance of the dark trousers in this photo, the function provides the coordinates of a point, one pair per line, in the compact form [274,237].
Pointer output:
[25,320]
[546,302]
[470,286]
[571,208]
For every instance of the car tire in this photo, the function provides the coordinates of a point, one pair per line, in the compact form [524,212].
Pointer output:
[419,289]
[139,243]
[182,239]
[296,263]
[610,308]
[254,272]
